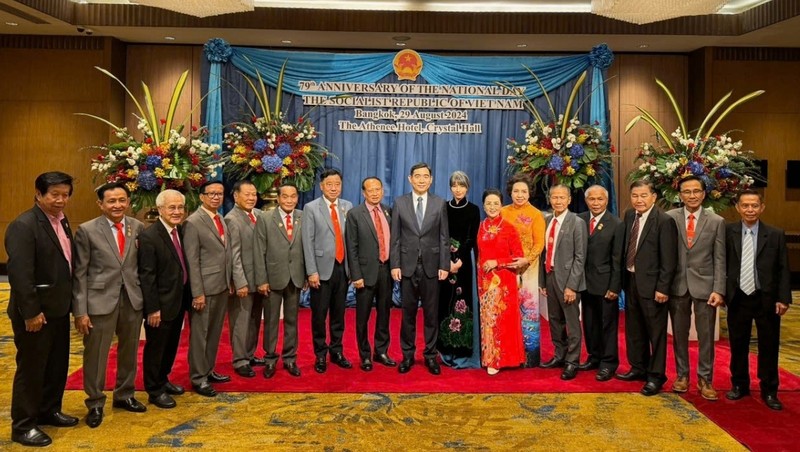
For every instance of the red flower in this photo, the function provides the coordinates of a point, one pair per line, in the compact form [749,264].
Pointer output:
[194,128]
[148,140]
[163,121]
[613,149]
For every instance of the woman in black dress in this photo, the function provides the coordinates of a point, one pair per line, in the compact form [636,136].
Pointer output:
[458,329]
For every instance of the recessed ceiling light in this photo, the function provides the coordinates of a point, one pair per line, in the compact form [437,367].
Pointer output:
[12,24]
[169,38]
[400,44]
[286,41]
[643,46]
[401,38]
[522,46]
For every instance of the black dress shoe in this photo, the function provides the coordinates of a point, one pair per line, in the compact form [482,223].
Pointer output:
[59,419]
[650,389]
[632,376]
[384,359]
[772,401]
[132,405]
[95,417]
[245,371]
[405,365]
[604,375]
[433,366]
[218,378]
[737,392]
[570,371]
[292,369]
[33,437]
[320,365]
[366,365]
[555,362]
[341,361]
[162,401]
[269,370]
[174,389]
[205,390]
[255,362]
[588,365]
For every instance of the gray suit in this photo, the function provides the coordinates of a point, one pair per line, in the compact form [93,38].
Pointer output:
[319,248]
[701,271]
[244,314]
[279,262]
[211,269]
[106,288]
[569,256]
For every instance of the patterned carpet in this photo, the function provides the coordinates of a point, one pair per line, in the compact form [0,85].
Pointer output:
[344,422]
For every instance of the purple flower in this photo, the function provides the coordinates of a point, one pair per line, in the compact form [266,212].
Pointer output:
[556,163]
[710,184]
[147,180]
[272,163]
[260,145]
[461,306]
[458,290]
[284,150]
[697,168]
[153,161]
[724,172]
[576,151]
[574,164]
[455,325]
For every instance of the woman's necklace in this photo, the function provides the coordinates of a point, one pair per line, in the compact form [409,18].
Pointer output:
[456,206]
[491,229]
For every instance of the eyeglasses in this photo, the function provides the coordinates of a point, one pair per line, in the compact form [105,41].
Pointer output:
[691,192]
[213,194]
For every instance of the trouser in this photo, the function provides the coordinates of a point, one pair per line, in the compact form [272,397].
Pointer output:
[419,286]
[646,334]
[381,292]
[743,310]
[289,297]
[600,330]
[705,319]
[329,300]
[565,323]
[204,334]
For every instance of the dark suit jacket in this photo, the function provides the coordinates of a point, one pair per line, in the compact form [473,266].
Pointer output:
[656,254]
[772,261]
[604,254]
[160,272]
[409,241]
[362,243]
[569,254]
[38,272]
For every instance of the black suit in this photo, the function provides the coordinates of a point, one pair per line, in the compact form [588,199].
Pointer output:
[772,286]
[603,271]
[41,282]
[363,254]
[645,319]
[161,277]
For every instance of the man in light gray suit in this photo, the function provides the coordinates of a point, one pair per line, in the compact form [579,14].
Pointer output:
[326,267]
[562,279]
[209,256]
[107,300]
[280,274]
[699,283]
[244,313]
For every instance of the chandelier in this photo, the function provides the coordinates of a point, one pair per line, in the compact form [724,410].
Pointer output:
[647,11]
[201,8]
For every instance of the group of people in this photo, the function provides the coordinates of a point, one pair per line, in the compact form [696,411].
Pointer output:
[251,264]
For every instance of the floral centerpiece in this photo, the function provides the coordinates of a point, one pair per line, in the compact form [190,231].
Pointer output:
[269,150]
[560,150]
[162,158]
[717,159]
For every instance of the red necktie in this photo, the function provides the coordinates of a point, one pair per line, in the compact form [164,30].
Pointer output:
[551,241]
[289,227]
[591,225]
[220,229]
[337,232]
[120,239]
[177,244]
[690,230]
[376,218]
[252,217]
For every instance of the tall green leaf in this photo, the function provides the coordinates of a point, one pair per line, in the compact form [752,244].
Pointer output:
[676,107]
[151,109]
[742,100]
[572,96]
[173,103]
[279,87]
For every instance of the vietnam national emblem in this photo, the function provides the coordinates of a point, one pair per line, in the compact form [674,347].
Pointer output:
[407,64]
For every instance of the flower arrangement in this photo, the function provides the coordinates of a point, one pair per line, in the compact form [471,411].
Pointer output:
[164,158]
[717,159]
[456,329]
[562,150]
[268,150]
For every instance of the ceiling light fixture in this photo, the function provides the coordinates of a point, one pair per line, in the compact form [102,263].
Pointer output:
[201,8]
[400,44]
[648,11]
[286,41]
[12,24]
[169,38]
[522,46]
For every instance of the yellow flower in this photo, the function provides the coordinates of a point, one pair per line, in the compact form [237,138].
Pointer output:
[159,172]
[255,163]
[195,176]
[570,171]
[306,149]
[284,171]
[543,152]
[716,194]
[131,174]
[132,186]
[582,138]
[590,171]
[531,149]
[240,150]
[287,160]
[567,159]
[166,164]
[683,160]
[146,148]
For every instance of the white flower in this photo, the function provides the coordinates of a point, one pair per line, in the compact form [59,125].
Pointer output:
[131,162]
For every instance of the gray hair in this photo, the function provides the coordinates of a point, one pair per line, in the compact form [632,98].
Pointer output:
[161,199]
[559,187]
[459,178]
[595,187]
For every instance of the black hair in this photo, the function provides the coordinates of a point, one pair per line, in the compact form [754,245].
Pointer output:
[643,183]
[287,184]
[101,190]
[364,181]
[237,186]
[749,191]
[691,178]
[420,165]
[517,178]
[46,180]
[207,183]
[328,172]
[492,191]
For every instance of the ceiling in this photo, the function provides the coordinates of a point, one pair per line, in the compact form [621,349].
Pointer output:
[441,30]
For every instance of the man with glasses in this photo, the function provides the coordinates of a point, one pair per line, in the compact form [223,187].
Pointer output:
[209,256]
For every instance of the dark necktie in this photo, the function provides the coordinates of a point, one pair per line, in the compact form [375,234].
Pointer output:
[420,214]
[337,232]
[120,239]
[177,244]
[630,257]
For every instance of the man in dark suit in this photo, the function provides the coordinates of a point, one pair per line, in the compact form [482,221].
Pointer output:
[651,255]
[420,258]
[280,274]
[326,265]
[561,280]
[164,278]
[107,300]
[758,288]
[603,270]
[699,284]
[40,249]
[368,242]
